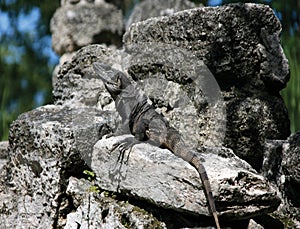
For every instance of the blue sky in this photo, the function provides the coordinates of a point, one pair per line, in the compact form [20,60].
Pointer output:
[214,2]
[27,23]
[4,23]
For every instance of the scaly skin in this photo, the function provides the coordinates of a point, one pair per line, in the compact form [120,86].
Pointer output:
[147,124]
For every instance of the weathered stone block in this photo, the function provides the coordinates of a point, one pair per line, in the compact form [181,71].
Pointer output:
[157,176]
[76,25]
[47,145]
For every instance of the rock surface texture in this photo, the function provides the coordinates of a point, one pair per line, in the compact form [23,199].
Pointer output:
[214,72]
[3,153]
[79,23]
[174,184]
[240,45]
[46,146]
[282,167]
[290,178]
[99,210]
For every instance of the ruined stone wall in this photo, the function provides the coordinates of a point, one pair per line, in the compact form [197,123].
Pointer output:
[214,72]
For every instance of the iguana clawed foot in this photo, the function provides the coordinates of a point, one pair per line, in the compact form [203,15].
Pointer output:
[123,146]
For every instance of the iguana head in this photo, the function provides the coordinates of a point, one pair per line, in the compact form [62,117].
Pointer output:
[114,80]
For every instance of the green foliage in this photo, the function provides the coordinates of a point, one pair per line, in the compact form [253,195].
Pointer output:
[287,222]
[291,94]
[125,221]
[90,175]
[5,117]
[25,70]
[94,189]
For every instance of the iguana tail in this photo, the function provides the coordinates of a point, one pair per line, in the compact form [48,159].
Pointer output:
[174,142]
[195,161]
[171,139]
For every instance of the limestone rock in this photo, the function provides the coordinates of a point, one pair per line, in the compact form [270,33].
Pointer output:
[47,145]
[96,210]
[3,153]
[273,155]
[251,121]
[281,167]
[67,57]
[254,32]
[6,196]
[291,176]
[85,22]
[157,176]
[254,225]
[291,158]
[155,8]
[240,45]
[9,213]
[3,149]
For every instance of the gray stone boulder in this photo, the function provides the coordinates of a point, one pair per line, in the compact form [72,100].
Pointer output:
[281,167]
[273,155]
[254,225]
[79,23]
[257,47]
[240,45]
[291,160]
[155,8]
[290,178]
[3,153]
[47,145]
[157,176]
[98,209]
[67,57]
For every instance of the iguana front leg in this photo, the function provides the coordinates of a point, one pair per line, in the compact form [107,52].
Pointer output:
[128,143]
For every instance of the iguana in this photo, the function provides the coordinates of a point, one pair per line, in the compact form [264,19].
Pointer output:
[145,123]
